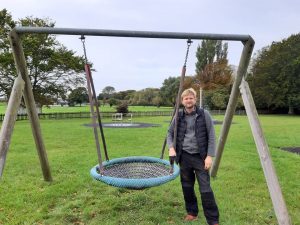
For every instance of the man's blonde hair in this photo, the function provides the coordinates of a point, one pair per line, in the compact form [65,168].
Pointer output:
[188,92]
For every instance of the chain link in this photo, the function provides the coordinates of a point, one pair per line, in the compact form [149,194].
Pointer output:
[189,42]
[82,38]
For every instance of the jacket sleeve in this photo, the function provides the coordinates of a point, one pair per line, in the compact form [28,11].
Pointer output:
[170,135]
[210,134]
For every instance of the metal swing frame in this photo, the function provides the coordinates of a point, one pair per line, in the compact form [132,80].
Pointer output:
[239,86]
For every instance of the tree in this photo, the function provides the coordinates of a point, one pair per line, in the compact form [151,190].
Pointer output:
[6,60]
[52,68]
[136,99]
[122,108]
[169,90]
[78,96]
[275,76]
[144,97]
[124,95]
[218,98]
[210,51]
[112,101]
[108,92]
[157,101]
[212,69]
[148,94]
[215,75]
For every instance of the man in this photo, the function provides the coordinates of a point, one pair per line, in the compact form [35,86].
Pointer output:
[195,147]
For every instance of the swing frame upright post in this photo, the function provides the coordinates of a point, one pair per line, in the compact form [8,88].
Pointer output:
[21,67]
[270,174]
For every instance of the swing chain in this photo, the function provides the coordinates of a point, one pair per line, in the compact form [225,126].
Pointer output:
[189,42]
[82,38]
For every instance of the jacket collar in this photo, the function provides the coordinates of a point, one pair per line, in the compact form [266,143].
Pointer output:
[192,113]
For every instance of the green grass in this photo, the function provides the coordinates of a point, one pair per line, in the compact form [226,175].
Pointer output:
[105,108]
[86,108]
[2,107]
[75,198]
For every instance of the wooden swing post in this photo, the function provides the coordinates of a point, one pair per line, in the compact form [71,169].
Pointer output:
[10,119]
[265,157]
[30,103]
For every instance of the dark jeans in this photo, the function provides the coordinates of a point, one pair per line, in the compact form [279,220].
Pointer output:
[191,167]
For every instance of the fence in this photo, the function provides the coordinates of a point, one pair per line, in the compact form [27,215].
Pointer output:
[222,112]
[73,115]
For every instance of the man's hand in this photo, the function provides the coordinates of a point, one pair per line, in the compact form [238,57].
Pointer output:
[208,162]
[172,152]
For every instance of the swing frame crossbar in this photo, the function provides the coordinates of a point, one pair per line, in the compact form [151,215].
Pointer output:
[133,34]
[239,86]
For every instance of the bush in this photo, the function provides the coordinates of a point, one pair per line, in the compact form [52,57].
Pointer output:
[112,101]
[122,108]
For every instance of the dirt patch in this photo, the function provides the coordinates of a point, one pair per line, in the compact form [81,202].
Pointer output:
[291,149]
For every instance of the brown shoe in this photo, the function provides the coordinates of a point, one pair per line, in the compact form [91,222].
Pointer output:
[189,217]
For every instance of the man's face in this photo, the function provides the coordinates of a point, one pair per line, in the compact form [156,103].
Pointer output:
[189,101]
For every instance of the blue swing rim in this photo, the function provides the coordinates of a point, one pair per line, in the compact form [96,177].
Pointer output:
[134,183]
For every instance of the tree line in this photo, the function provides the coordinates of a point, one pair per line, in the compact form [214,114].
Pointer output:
[274,76]
[57,73]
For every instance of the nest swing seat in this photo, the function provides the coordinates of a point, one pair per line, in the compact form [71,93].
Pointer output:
[137,172]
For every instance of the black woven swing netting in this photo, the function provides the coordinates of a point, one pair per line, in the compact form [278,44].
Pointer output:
[136,170]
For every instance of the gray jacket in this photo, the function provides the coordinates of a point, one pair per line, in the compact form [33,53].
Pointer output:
[210,134]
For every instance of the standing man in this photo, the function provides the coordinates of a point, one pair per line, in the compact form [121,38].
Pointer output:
[195,147]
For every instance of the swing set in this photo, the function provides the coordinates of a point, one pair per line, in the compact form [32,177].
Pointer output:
[109,170]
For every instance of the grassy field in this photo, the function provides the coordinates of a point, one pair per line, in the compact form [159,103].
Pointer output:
[2,107]
[86,108]
[75,198]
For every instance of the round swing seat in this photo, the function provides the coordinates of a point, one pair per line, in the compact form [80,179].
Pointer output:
[136,172]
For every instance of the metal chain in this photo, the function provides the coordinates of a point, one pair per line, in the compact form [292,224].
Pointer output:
[82,38]
[175,112]
[94,104]
[189,42]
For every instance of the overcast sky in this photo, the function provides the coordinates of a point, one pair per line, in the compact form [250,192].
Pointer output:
[134,63]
